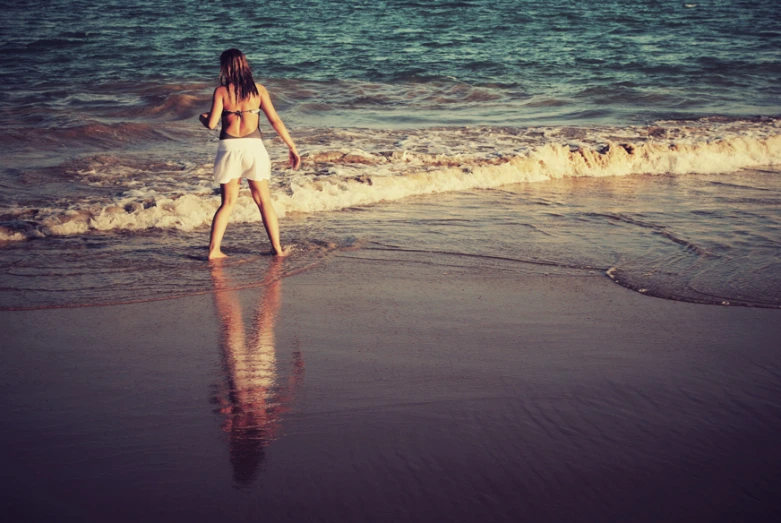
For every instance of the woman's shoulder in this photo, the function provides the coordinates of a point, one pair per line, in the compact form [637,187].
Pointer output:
[261,89]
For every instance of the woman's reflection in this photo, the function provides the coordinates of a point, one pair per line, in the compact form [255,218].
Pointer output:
[255,396]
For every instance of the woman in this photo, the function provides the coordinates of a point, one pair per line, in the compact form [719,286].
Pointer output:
[238,102]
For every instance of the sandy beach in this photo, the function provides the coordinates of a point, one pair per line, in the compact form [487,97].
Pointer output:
[394,387]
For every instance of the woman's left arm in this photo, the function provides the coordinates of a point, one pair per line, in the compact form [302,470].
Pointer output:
[212,118]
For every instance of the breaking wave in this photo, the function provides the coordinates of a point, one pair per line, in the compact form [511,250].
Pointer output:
[388,167]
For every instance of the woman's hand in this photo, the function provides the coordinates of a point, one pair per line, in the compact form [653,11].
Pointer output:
[295,158]
[204,118]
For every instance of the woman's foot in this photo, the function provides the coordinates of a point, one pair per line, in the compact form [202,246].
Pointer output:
[281,253]
[217,255]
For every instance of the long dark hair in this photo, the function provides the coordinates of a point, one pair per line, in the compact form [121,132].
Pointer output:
[234,69]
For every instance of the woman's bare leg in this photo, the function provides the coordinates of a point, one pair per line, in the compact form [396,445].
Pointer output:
[229,193]
[262,197]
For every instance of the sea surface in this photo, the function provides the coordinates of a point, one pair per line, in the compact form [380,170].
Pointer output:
[640,140]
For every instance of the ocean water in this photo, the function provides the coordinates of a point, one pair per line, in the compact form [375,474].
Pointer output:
[641,140]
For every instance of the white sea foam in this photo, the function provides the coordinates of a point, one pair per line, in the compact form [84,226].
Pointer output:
[7,235]
[386,166]
[543,163]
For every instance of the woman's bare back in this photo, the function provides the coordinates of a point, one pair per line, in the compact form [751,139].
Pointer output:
[239,118]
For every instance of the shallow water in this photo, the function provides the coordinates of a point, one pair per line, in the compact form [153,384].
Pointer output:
[707,238]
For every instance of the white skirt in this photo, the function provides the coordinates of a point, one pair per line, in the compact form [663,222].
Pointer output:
[242,158]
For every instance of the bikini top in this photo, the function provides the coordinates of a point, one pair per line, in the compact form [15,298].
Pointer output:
[239,113]
[254,134]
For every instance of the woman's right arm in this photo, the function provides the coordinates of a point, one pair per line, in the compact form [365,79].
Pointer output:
[276,122]
[212,118]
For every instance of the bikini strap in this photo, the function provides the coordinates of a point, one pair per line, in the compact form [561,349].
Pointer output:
[239,113]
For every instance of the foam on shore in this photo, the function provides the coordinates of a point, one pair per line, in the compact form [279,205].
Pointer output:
[334,178]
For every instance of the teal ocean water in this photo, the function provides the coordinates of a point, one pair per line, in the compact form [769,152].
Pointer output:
[636,138]
[386,62]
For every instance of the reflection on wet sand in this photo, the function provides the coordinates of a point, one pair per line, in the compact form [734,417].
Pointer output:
[253,396]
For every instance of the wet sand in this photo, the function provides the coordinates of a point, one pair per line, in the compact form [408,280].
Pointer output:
[375,388]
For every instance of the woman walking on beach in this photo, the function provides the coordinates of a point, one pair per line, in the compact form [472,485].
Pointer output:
[238,102]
